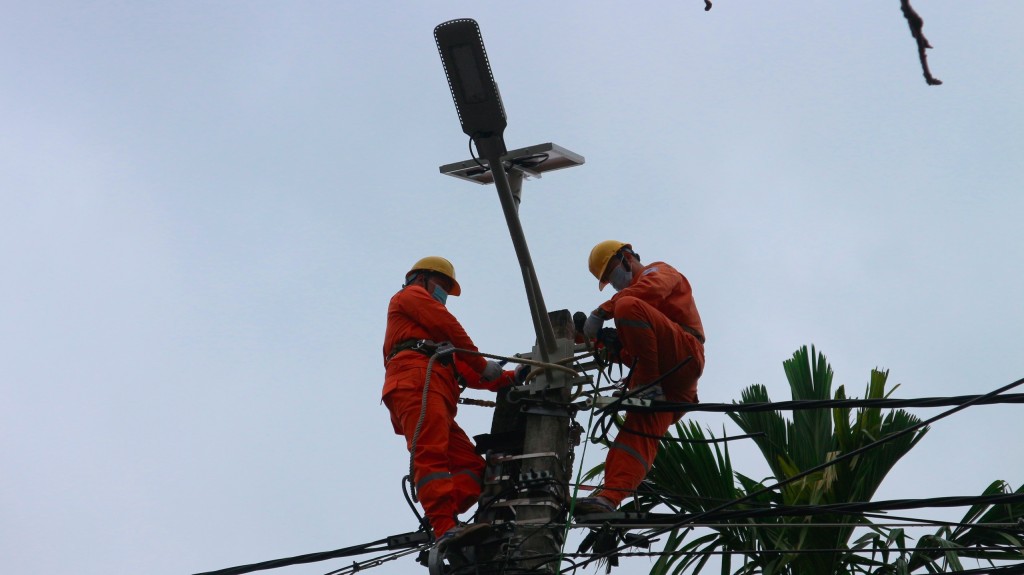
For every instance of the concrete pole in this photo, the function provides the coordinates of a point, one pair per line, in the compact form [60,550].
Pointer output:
[545,470]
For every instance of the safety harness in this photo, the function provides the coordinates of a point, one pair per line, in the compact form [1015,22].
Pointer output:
[422,346]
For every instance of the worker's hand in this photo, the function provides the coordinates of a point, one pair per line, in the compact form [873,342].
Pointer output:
[592,326]
[522,372]
[491,372]
[609,338]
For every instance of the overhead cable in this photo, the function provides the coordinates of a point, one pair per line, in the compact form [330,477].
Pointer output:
[850,454]
[403,541]
[801,404]
[833,509]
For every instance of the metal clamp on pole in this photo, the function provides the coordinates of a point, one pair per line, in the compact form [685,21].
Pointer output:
[508,458]
[539,386]
[603,401]
[549,409]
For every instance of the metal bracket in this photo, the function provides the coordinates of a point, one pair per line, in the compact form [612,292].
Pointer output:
[514,522]
[527,502]
[543,409]
[527,456]
[537,388]
[601,401]
[532,161]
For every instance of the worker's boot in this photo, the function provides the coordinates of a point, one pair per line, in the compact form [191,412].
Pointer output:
[592,505]
[463,535]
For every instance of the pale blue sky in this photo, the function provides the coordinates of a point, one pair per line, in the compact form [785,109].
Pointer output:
[207,205]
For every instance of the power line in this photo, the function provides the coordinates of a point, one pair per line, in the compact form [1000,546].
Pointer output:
[652,525]
[416,540]
[802,404]
[723,552]
[852,507]
[375,562]
[802,474]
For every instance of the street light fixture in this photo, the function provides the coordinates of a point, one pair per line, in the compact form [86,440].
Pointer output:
[474,90]
[482,115]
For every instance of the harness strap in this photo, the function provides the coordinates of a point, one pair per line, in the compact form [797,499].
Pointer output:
[422,346]
[415,345]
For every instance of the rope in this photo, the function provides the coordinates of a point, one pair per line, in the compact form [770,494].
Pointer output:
[519,360]
[419,423]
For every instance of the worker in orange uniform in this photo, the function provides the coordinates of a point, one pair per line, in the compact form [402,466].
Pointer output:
[447,471]
[658,326]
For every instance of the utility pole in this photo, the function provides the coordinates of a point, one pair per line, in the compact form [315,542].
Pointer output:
[527,478]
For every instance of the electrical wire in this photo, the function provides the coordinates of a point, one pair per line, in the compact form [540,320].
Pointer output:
[850,508]
[802,404]
[420,520]
[719,512]
[723,552]
[372,547]
[978,548]
[866,509]
[607,412]
[475,159]
[1005,527]
[375,562]
[815,469]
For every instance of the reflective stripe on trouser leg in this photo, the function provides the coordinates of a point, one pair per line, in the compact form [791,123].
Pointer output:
[467,468]
[431,471]
[631,455]
[636,454]
[635,321]
[430,477]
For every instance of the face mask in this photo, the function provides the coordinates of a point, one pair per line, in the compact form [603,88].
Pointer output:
[620,278]
[439,294]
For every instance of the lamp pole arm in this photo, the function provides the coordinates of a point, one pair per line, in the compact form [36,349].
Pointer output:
[541,322]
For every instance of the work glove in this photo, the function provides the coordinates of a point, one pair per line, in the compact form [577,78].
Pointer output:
[491,372]
[609,338]
[522,372]
[592,326]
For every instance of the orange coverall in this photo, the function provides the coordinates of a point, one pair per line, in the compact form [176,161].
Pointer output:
[447,471]
[649,315]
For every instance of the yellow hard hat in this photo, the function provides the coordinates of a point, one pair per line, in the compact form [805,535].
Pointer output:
[439,265]
[601,255]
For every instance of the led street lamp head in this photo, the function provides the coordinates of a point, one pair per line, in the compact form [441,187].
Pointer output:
[476,96]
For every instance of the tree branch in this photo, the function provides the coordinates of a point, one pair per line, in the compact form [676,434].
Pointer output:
[916,23]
